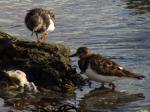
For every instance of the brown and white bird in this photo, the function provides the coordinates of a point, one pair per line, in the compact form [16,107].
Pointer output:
[101,69]
[39,20]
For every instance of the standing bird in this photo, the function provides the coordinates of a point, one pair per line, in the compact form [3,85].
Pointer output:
[102,69]
[39,20]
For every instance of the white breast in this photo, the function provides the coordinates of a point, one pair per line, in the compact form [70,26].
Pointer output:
[51,26]
[98,77]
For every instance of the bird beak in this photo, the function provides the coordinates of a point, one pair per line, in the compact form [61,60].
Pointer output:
[73,55]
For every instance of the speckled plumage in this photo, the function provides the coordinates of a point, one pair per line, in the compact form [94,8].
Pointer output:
[101,67]
[38,20]
[105,66]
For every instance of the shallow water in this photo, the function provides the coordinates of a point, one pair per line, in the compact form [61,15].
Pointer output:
[119,29]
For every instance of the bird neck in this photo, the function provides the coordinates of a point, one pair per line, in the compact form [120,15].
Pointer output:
[84,56]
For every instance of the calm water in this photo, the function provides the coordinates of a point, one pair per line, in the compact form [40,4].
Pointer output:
[116,28]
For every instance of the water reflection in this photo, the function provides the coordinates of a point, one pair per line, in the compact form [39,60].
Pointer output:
[140,6]
[104,99]
[116,28]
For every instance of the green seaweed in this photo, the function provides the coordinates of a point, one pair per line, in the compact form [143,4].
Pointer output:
[44,63]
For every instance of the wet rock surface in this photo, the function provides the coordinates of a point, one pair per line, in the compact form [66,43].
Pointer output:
[48,66]
[45,64]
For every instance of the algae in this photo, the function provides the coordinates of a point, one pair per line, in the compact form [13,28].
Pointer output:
[44,63]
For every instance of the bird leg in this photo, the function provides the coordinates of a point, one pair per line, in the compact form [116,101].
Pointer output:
[37,39]
[36,36]
[44,36]
[89,83]
[102,86]
[113,86]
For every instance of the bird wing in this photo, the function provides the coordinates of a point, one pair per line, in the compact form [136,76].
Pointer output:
[37,20]
[33,22]
[107,67]
[46,21]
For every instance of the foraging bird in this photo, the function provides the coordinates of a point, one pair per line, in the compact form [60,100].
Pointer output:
[101,69]
[39,20]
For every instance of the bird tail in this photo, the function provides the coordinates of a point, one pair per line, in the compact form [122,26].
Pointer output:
[133,75]
[140,77]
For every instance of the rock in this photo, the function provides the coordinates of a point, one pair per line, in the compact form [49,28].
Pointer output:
[45,64]
[19,77]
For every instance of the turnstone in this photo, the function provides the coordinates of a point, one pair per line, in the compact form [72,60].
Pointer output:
[101,69]
[39,20]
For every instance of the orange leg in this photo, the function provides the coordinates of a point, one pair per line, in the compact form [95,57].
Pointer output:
[113,86]
[102,86]
[42,38]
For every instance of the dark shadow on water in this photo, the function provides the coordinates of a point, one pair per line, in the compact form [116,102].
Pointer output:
[106,99]
[139,6]
[100,99]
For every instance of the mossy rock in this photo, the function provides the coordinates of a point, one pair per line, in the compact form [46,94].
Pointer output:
[44,63]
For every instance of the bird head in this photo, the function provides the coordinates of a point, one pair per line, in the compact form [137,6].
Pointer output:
[82,52]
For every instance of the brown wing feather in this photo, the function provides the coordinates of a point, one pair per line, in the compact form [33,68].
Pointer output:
[37,20]
[105,66]
[46,21]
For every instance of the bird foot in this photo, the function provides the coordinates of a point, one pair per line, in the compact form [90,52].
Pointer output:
[42,38]
[102,86]
[113,86]
[38,41]
[89,83]
[45,37]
